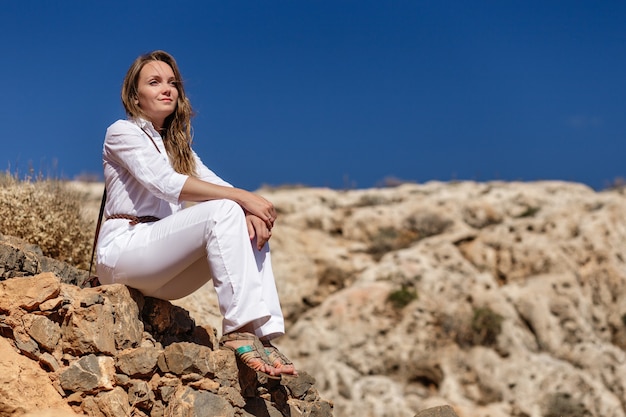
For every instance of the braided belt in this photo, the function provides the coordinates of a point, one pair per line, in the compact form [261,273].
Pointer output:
[134,219]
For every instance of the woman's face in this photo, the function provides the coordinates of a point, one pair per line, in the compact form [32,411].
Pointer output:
[157,94]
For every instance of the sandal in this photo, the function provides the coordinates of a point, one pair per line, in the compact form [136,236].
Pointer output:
[278,360]
[253,355]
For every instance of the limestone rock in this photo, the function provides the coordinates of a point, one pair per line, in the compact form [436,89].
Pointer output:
[503,285]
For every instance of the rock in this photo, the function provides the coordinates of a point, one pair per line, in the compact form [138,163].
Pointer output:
[127,326]
[88,327]
[90,373]
[87,348]
[28,293]
[138,362]
[101,320]
[442,411]
[111,404]
[49,362]
[19,258]
[193,403]
[51,412]
[24,386]
[301,386]
[43,330]
[140,394]
[185,358]
[309,409]
[262,407]
[26,345]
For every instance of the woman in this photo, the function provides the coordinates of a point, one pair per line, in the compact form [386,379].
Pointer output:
[149,242]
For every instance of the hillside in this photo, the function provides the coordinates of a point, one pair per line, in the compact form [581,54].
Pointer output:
[499,299]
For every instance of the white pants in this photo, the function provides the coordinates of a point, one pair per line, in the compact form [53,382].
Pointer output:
[175,256]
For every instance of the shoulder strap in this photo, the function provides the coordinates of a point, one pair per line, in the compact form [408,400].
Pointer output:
[150,136]
[95,240]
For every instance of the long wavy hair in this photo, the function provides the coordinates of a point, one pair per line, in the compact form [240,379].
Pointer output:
[176,131]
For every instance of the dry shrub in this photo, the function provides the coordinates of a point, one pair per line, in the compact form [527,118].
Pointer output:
[486,326]
[414,228]
[563,404]
[426,224]
[480,328]
[46,213]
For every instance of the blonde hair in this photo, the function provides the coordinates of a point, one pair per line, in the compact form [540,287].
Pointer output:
[177,127]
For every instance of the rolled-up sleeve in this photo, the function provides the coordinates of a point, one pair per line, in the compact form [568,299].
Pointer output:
[126,146]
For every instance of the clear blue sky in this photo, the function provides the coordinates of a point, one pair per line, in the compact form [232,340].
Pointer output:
[331,93]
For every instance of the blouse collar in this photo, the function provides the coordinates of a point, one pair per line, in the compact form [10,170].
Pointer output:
[145,124]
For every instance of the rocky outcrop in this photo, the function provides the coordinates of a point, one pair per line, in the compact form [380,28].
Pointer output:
[108,352]
[21,259]
[499,299]
[474,299]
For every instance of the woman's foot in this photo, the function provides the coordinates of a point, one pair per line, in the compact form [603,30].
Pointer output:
[249,349]
[278,360]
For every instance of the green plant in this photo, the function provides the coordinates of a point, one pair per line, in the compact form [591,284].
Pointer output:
[402,297]
[486,326]
[414,227]
[529,212]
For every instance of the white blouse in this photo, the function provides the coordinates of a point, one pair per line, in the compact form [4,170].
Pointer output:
[139,180]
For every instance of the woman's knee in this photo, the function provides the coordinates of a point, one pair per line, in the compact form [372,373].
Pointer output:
[220,210]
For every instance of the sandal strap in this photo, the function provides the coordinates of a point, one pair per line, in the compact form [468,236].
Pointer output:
[236,337]
[249,353]
[245,349]
[276,355]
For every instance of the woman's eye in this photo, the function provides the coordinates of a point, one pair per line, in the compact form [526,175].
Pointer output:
[153,82]
[173,83]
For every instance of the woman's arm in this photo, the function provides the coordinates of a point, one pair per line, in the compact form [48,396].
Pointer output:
[197,190]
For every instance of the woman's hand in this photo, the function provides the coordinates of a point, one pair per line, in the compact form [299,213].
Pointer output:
[259,207]
[195,189]
[259,229]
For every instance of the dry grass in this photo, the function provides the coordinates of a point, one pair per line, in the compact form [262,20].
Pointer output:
[46,213]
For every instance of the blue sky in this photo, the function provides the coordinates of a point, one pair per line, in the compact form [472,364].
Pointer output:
[331,93]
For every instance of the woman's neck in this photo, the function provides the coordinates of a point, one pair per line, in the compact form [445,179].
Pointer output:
[158,127]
